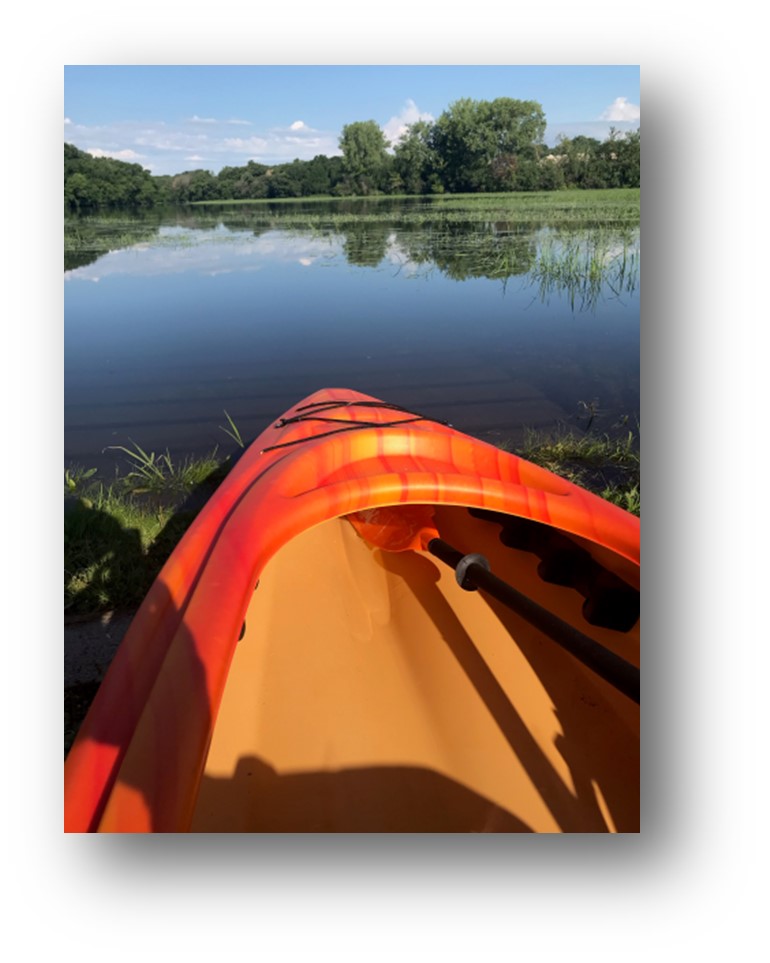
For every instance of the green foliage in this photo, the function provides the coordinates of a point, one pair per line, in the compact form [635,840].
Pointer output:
[160,474]
[92,183]
[365,157]
[415,161]
[473,147]
[193,186]
[481,143]
[233,432]
[588,163]
[76,479]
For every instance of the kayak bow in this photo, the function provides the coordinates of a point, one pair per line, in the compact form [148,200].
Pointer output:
[361,686]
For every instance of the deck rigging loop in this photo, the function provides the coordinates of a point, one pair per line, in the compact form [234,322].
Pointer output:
[316,412]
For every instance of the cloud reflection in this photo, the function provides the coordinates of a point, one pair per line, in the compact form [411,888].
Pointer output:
[218,251]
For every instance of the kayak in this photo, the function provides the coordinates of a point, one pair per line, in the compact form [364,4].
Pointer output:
[376,624]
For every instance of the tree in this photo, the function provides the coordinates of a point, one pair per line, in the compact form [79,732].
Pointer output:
[415,162]
[198,185]
[627,150]
[102,182]
[365,157]
[281,182]
[479,143]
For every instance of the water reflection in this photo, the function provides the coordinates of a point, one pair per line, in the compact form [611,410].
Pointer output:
[580,264]
[492,324]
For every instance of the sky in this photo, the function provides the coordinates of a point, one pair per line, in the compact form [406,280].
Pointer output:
[171,119]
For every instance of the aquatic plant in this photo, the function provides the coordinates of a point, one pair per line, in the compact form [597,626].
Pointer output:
[586,266]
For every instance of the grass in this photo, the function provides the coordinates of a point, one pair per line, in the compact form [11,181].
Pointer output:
[114,546]
[609,467]
[566,205]
[161,475]
[117,535]
[584,264]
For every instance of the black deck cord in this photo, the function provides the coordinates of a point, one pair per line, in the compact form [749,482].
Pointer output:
[473,572]
[324,406]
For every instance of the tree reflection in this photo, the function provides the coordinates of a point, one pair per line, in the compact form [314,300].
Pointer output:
[462,251]
[584,263]
[367,244]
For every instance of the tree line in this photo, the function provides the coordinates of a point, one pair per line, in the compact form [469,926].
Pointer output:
[474,146]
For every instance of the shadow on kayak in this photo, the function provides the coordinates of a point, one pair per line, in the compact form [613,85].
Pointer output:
[138,750]
[368,799]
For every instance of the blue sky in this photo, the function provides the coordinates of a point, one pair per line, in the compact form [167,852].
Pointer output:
[175,118]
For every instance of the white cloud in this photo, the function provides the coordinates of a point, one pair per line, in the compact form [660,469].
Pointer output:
[621,109]
[245,145]
[396,127]
[195,119]
[67,121]
[165,148]
[124,155]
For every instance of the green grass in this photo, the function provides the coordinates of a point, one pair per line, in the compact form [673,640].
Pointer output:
[620,196]
[114,546]
[118,535]
[586,264]
[161,475]
[609,467]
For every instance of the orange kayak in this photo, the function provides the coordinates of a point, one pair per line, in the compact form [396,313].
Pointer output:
[376,624]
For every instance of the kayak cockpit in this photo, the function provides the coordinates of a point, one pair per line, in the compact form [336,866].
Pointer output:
[370,693]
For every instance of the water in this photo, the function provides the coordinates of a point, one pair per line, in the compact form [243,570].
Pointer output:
[189,317]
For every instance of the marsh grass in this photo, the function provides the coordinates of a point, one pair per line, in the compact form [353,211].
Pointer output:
[569,206]
[586,266]
[88,238]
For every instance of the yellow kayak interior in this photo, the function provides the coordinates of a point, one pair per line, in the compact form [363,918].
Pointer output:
[370,693]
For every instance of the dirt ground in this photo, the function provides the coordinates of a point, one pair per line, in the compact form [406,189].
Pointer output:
[88,651]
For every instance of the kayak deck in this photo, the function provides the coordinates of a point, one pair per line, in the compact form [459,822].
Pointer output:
[370,693]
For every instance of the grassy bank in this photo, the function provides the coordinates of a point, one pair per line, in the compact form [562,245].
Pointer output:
[118,535]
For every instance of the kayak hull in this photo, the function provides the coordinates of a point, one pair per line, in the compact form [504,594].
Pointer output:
[286,674]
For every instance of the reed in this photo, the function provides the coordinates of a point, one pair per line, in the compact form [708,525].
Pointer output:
[160,474]
[587,266]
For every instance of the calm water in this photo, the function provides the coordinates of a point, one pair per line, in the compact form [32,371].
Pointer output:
[461,321]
